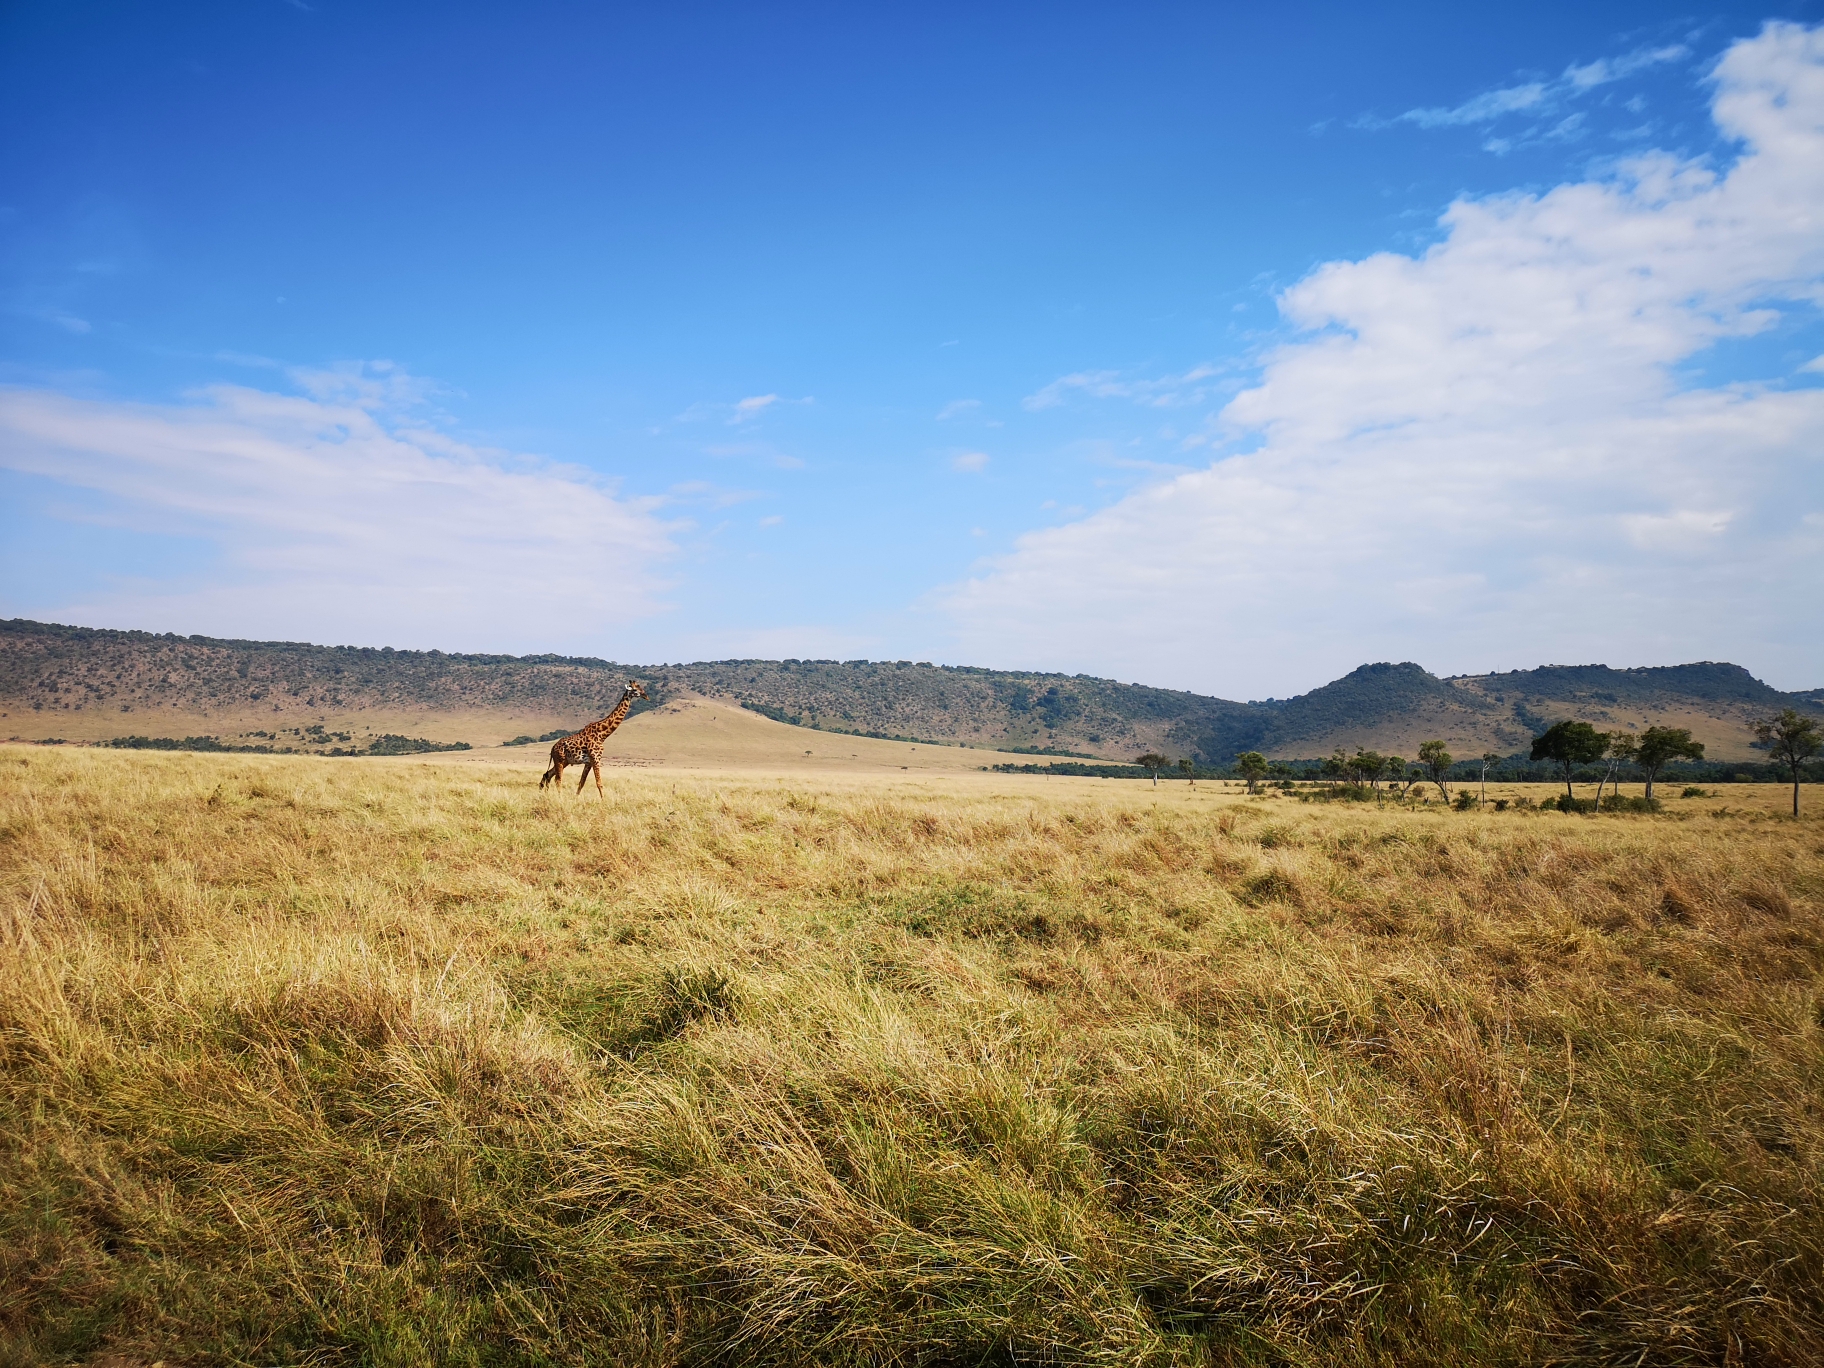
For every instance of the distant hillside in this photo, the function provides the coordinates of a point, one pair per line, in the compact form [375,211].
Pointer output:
[91,683]
[1373,706]
[965,704]
[88,684]
[1392,708]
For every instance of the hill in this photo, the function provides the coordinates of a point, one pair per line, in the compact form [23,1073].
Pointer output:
[93,684]
[1392,708]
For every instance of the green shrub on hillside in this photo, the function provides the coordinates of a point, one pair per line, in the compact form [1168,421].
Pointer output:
[557,735]
[411,745]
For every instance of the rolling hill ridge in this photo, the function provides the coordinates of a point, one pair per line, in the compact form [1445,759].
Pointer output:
[94,684]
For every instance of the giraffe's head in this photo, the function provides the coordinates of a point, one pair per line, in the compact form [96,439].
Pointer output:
[634,690]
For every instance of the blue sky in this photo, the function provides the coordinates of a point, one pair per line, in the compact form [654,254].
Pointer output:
[966,334]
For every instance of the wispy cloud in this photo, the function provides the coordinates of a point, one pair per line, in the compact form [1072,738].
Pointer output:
[1606,69]
[251,360]
[383,387]
[707,492]
[340,519]
[1194,386]
[754,451]
[956,408]
[752,407]
[971,462]
[69,322]
[1491,104]
[739,413]
[1536,98]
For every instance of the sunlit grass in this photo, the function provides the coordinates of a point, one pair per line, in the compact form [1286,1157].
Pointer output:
[308,1061]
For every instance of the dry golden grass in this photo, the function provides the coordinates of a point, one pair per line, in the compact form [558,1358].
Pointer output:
[329,1062]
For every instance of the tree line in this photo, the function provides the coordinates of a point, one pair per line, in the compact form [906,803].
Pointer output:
[1790,739]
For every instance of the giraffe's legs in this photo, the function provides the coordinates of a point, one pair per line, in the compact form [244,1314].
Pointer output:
[554,775]
[598,777]
[588,764]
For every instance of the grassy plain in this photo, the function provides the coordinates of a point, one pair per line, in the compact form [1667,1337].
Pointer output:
[393,1062]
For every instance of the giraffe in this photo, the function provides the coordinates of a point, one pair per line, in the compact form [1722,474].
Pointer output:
[585,747]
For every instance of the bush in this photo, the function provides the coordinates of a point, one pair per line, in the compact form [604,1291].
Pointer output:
[1465,800]
[523,740]
[170,743]
[1340,793]
[1615,802]
[1569,804]
[411,745]
[1692,791]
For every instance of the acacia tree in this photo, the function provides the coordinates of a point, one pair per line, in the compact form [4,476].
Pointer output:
[1488,758]
[1657,745]
[1370,766]
[1436,760]
[1396,771]
[1791,739]
[1189,770]
[1153,762]
[1569,744]
[1253,767]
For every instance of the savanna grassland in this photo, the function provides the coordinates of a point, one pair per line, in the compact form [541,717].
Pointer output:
[339,1062]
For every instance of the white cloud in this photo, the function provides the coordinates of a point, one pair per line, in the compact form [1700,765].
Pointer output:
[956,408]
[972,462]
[338,519]
[1480,457]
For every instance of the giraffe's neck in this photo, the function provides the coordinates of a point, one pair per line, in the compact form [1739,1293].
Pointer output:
[615,718]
